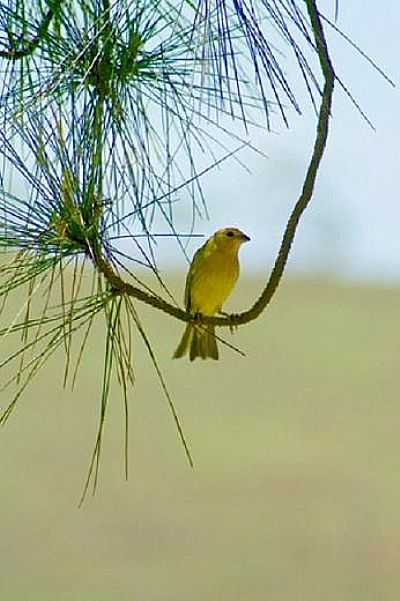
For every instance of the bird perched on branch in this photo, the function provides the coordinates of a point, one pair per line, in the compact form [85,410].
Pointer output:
[211,278]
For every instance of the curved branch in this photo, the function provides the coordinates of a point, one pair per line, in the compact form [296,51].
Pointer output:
[31,46]
[251,314]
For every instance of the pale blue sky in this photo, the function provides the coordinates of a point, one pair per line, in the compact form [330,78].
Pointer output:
[352,227]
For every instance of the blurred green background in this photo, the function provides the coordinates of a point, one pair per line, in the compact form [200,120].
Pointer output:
[296,489]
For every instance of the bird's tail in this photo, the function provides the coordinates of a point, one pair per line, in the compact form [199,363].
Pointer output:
[199,340]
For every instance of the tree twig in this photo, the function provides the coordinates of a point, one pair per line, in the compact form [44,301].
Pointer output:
[122,287]
[14,54]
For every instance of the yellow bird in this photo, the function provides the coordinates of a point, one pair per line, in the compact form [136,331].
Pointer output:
[211,278]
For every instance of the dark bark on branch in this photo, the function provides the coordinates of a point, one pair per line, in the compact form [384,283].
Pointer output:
[122,287]
[14,54]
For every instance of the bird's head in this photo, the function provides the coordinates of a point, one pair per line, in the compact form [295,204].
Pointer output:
[230,238]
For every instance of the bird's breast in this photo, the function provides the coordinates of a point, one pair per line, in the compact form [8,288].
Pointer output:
[213,282]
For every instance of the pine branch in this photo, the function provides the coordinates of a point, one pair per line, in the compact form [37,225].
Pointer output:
[122,287]
[31,45]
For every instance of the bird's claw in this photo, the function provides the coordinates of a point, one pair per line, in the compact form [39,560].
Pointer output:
[232,326]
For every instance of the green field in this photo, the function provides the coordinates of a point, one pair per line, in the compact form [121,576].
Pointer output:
[295,495]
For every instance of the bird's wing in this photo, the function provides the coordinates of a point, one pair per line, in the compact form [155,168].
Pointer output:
[196,261]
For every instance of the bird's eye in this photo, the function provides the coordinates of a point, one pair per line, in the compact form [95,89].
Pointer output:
[230,234]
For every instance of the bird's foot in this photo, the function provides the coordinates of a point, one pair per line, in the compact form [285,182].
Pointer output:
[197,318]
[232,326]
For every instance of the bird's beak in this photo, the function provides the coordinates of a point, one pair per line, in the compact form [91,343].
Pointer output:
[245,238]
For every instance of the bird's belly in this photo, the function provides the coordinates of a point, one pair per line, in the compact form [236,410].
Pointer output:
[213,284]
